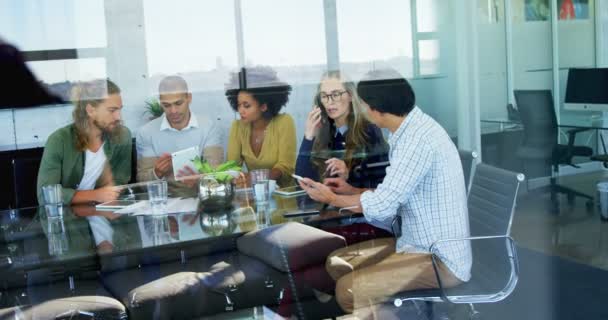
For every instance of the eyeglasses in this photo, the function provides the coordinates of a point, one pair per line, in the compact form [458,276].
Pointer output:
[335,96]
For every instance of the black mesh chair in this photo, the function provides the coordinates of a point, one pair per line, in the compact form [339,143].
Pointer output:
[467,159]
[495,268]
[25,173]
[540,146]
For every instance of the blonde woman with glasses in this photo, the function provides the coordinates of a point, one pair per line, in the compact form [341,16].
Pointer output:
[338,137]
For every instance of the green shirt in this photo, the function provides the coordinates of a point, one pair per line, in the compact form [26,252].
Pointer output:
[63,164]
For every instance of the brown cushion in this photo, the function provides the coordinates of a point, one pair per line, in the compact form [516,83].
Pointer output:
[299,244]
[245,280]
[165,291]
[56,301]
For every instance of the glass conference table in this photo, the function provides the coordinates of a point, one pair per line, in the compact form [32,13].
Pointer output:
[29,238]
[37,249]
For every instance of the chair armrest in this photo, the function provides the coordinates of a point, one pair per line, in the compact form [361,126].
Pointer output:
[372,165]
[572,135]
[512,256]
[577,130]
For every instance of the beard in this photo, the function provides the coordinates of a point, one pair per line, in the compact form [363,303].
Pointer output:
[109,130]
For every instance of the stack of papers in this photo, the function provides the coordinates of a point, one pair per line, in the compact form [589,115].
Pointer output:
[174,205]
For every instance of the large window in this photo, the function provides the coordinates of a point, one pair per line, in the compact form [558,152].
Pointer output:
[400,34]
[427,44]
[193,38]
[371,41]
[57,31]
[51,25]
[287,35]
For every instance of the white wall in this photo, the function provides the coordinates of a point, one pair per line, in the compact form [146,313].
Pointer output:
[532,57]
[492,70]
[7,138]
[602,33]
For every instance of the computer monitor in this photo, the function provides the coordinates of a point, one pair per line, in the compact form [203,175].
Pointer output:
[587,89]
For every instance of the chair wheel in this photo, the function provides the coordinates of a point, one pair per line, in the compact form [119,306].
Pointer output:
[475,315]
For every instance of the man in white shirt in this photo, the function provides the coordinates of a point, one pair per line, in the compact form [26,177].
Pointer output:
[177,129]
[423,187]
[92,155]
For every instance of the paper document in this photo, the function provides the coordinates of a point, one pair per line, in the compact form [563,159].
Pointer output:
[174,205]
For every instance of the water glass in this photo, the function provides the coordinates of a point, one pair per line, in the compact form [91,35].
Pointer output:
[262,214]
[52,194]
[272,185]
[161,231]
[57,236]
[53,200]
[260,184]
[157,195]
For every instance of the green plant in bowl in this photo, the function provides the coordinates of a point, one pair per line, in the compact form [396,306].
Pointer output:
[216,189]
[222,173]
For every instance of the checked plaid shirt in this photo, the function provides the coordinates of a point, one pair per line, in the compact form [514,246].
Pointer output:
[424,184]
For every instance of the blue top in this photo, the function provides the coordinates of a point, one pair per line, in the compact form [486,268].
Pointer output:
[376,150]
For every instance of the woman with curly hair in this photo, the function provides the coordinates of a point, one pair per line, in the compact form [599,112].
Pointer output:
[262,138]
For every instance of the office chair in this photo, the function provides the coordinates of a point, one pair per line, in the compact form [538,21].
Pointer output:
[540,145]
[495,267]
[371,172]
[467,159]
[133,161]
[25,174]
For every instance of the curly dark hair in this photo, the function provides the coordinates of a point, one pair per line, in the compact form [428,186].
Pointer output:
[265,88]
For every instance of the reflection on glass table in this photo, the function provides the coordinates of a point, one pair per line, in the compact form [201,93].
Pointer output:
[117,233]
[57,236]
[339,154]
[33,240]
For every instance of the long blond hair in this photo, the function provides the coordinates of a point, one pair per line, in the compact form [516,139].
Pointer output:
[356,136]
[88,93]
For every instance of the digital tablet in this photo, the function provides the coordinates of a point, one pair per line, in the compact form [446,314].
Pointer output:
[184,158]
[301,213]
[290,191]
[115,204]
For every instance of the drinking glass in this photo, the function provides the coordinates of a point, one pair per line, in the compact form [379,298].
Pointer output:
[161,234]
[57,236]
[53,200]
[260,184]
[157,195]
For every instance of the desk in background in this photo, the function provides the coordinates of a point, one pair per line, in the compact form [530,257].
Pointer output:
[501,137]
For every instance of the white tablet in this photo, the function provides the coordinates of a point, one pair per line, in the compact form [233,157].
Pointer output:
[290,191]
[114,205]
[184,158]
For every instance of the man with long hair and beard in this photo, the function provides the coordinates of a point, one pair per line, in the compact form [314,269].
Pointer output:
[92,155]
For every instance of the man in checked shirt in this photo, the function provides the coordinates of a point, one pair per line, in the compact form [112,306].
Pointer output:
[424,187]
